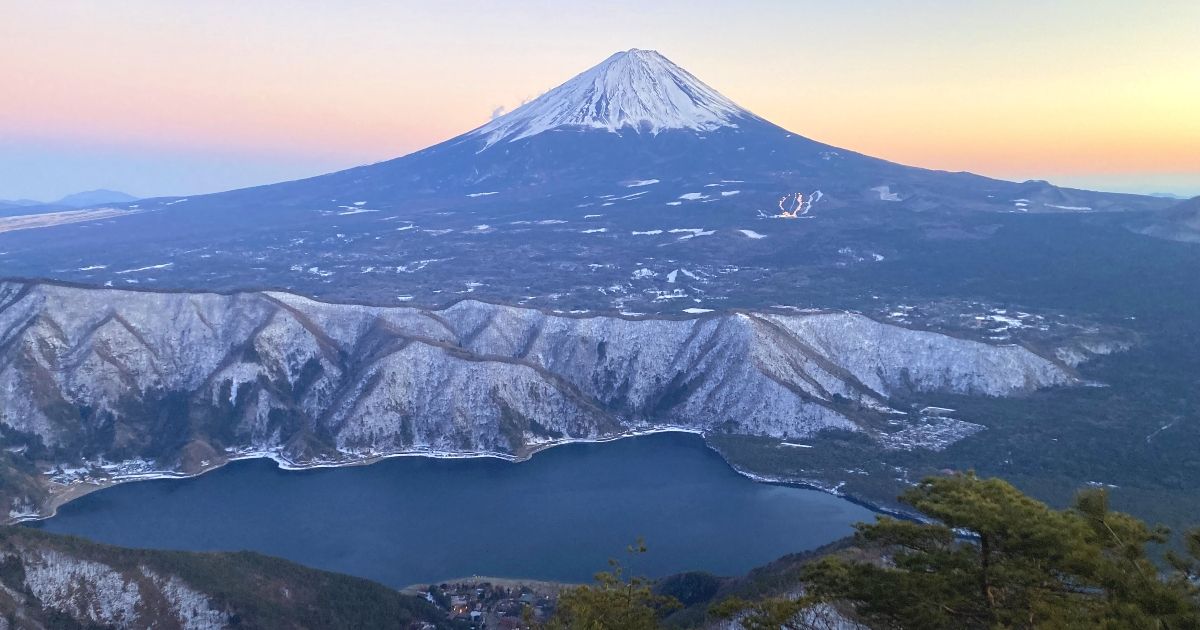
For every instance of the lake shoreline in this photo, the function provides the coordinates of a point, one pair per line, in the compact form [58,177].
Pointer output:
[557,518]
[63,494]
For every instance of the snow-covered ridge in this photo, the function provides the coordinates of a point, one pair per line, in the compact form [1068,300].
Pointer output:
[358,382]
[99,594]
[390,377]
[637,89]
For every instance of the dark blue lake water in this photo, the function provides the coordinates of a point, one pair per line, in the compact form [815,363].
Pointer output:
[559,516]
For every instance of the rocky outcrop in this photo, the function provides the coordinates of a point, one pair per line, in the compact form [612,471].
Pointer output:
[49,581]
[186,379]
[98,594]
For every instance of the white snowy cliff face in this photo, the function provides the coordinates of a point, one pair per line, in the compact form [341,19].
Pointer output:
[101,370]
[94,593]
[636,89]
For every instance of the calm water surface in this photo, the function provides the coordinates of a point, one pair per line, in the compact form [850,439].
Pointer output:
[559,516]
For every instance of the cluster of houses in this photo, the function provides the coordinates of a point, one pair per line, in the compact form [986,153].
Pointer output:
[490,605]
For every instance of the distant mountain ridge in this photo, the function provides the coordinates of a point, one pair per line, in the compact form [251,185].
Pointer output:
[20,202]
[84,199]
[94,197]
[1180,222]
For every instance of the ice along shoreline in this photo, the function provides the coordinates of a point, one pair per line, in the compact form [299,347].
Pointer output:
[61,494]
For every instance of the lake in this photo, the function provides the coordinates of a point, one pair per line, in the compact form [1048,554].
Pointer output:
[401,521]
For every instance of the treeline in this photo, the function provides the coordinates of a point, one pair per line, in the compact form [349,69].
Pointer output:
[991,557]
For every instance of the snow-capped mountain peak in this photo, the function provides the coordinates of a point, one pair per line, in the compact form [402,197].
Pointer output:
[637,89]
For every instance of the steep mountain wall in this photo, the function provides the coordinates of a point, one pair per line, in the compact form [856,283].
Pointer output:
[180,381]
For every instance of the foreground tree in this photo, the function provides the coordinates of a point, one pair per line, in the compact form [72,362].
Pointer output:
[614,602]
[996,558]
[1187,565]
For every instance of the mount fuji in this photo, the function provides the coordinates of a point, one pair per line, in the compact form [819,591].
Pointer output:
[630,250]
[637,89]
[638,116]
[589,185]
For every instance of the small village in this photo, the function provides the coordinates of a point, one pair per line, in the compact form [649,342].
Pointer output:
[493,603]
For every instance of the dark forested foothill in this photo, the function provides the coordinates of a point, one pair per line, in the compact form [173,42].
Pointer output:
[51,581]
[991,557]
[995,558]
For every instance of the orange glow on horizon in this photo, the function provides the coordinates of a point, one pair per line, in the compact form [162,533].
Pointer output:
[1090,87]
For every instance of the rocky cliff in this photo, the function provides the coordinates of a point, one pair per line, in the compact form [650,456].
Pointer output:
[62,582]
[129,382]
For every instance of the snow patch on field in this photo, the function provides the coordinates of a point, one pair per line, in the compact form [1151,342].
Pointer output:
[931,433]
[357,209]
[752,234]
[886,194]
[641,182]
[147,268]
[418,265]
[690,233]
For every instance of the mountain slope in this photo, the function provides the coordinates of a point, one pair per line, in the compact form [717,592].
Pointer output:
[638,115]
[631,146]
[1181,222]
[100,383]
[636,89]
[49,581]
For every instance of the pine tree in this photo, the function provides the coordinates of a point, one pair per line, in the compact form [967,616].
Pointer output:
[614,602]
[993,557]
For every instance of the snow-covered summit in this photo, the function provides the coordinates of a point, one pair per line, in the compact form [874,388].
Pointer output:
[639,89]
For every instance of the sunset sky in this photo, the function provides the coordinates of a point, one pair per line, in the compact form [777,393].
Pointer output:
[161,97]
